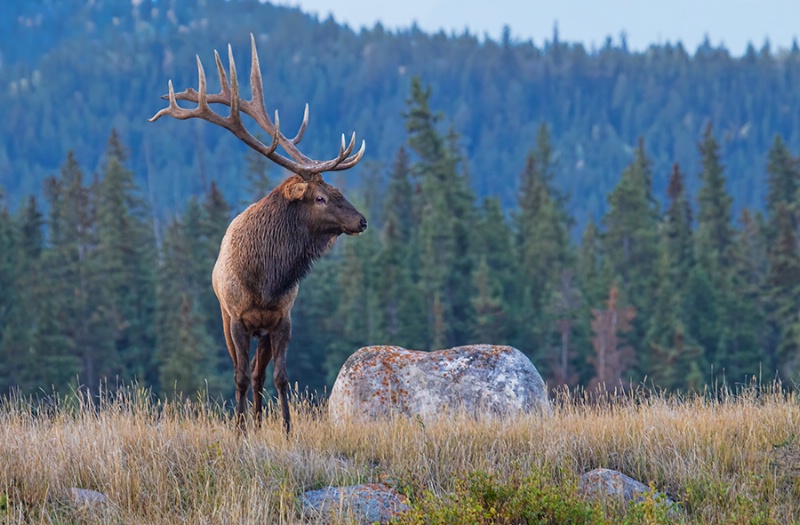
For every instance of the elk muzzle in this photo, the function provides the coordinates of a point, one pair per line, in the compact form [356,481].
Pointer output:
[362,225]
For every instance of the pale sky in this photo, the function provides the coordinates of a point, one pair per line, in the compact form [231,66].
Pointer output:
[732,22]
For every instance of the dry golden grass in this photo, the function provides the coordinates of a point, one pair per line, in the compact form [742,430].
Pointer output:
[727,458]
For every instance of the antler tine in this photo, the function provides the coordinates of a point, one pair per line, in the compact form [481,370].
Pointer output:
[351,145]
[202,101]
[297,138]
[261,113]
[277,136]
[334,164]
[173,109]
[255,107]
[257,84]
[218,98]
[351,161]
[234,87]
[223,78]
[343,151]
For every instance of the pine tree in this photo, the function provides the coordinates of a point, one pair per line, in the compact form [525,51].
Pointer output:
[355,309]
[461,203]
[186,355]
[702,310]
[542,243]
[395,283]
[185,369]
[213,222]
[495,276]
[714,241]
[490,314]
[124,260]
[64,345]
[402,316]
[201,228]
[593,279]
[445,211]
[746,357]
[714,230]
[677,229]
[592,267]
[783,185]
[8,283]
[317,326]
[421,124]
[782,232]
[675,359]
[630,239]
[784,294]
[7,259]
[185,295]
[21,250]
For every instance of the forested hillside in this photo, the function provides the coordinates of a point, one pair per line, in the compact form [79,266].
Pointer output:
[619,217]
[72,70]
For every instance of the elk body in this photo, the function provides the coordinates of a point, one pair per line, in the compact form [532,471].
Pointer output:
[270,247]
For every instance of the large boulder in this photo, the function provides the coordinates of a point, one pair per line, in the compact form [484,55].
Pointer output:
[379,381]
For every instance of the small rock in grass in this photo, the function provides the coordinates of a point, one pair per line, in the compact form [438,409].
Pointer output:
[86,497]
[602,483]
[368,503]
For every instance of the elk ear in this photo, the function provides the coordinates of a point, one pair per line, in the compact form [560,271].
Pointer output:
[296,191]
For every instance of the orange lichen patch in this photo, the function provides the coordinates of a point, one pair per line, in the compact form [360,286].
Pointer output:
[371,490]
[390,356]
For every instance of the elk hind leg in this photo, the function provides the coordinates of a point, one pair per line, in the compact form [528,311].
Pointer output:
[241,341]
[280,343]
[262,359]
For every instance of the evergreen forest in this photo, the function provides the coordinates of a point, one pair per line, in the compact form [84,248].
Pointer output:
[620,217]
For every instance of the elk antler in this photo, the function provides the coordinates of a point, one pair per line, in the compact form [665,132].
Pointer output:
[229,96]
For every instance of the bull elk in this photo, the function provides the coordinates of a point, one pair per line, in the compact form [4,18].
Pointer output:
[270,247]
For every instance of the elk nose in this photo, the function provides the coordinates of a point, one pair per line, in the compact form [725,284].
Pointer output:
[363,224]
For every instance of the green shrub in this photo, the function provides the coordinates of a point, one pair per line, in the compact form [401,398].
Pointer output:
[654,510]
[483,499]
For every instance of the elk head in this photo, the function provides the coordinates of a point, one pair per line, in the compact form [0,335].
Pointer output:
[323,207]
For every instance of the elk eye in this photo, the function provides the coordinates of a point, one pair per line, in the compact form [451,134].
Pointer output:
[320,200]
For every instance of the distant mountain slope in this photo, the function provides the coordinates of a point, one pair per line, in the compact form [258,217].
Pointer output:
[71,70]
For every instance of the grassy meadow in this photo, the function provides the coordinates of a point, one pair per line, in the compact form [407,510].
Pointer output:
[725,457]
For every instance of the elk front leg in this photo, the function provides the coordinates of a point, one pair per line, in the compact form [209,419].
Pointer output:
[241,341]
[263,356]
[280,342]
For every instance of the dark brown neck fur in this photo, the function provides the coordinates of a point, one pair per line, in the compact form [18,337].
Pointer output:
[274,242]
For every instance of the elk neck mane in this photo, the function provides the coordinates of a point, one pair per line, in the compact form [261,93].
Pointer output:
[277,246]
